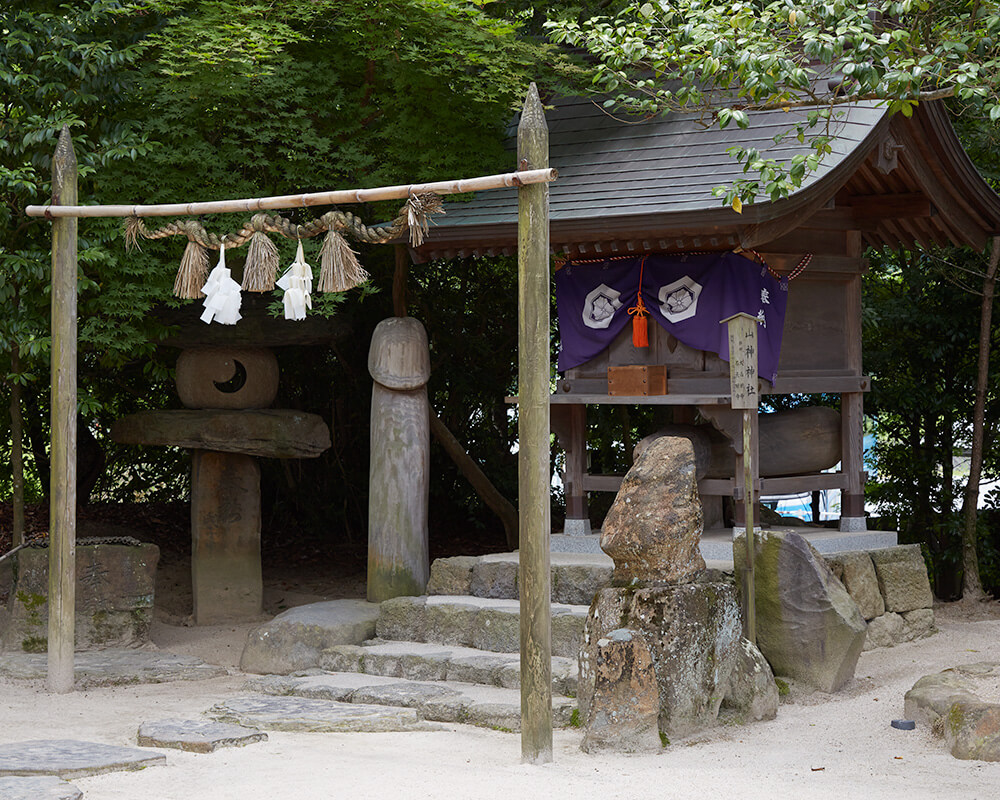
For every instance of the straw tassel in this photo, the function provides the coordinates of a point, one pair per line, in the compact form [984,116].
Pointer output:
[419,207]
[192,273]
[261,265]
[339,266]
[133,230]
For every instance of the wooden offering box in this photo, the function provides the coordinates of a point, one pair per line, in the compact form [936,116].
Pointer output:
[637,380]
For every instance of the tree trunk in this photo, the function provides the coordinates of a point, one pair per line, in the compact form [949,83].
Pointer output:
[16,450]
[972,587]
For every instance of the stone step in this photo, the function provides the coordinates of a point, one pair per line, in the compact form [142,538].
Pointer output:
[479,622]
[422,661]
[436,701]
[575,576]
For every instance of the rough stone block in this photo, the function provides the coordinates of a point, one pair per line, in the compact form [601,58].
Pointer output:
[567,632]
[856,571]
[500,631]
[401,618]
[972,730]
[576,584]
[295,639]
[625,699]
[932,697]
[884,631]
[343,658]
[449,623]
[424,667]
[495,577]
[918,624]
[808,626]
[902,578]
[751,693]
[451,575]
[478,669]
[114,597]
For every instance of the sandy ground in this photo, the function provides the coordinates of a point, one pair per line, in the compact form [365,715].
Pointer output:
[820,746]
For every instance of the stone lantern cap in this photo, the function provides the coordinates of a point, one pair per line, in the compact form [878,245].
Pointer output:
[269,433]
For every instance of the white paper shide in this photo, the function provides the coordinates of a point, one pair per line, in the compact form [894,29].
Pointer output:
[297,285]
[222,294]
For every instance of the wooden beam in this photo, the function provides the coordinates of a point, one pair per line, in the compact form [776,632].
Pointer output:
[62,494]
[872,208]
[534,475]
[508,180]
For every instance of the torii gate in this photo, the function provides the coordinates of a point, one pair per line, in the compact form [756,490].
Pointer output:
[531,180]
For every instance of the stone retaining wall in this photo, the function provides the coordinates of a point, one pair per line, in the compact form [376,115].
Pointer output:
[892,591]
[114,597]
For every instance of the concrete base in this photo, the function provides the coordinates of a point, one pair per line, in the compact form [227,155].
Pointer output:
[717,544]
[577,527]
[853,524]
[225,538]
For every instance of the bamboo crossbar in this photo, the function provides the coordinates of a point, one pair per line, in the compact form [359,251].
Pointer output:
[502,181]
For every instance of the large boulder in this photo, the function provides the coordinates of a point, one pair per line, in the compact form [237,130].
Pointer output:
[295,639]
[654,526]
[808,626]
[693,631]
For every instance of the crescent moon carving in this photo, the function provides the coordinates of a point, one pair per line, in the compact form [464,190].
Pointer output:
[235,383]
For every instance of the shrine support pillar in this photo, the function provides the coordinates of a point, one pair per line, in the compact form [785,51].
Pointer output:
[852,498]
[569,423]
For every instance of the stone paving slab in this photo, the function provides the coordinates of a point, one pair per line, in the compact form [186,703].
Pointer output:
[69,758]
[287,713]
[43,787]
[196,735]
[451,701]
[110,667]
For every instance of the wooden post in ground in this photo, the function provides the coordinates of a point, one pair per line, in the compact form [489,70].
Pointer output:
[62,509]
[743,390]
[533,437]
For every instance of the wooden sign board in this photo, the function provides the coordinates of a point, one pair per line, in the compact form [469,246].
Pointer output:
[743,360]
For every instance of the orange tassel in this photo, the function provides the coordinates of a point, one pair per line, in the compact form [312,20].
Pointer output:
[640,333]
[640,330]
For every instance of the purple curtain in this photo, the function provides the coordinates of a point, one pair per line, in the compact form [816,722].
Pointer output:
[687,295]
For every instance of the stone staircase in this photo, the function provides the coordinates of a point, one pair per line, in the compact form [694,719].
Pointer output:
[452,655]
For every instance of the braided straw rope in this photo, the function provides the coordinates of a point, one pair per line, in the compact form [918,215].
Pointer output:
[412,216]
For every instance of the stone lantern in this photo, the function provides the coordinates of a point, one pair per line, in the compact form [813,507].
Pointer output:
[227,385]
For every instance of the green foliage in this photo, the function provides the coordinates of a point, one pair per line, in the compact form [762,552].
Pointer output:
[731,59]
[921,318]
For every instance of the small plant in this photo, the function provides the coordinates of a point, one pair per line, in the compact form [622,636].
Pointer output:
[783,687]
[664,741]
[574,718]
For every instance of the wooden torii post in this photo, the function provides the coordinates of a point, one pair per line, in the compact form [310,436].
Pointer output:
[531,179]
